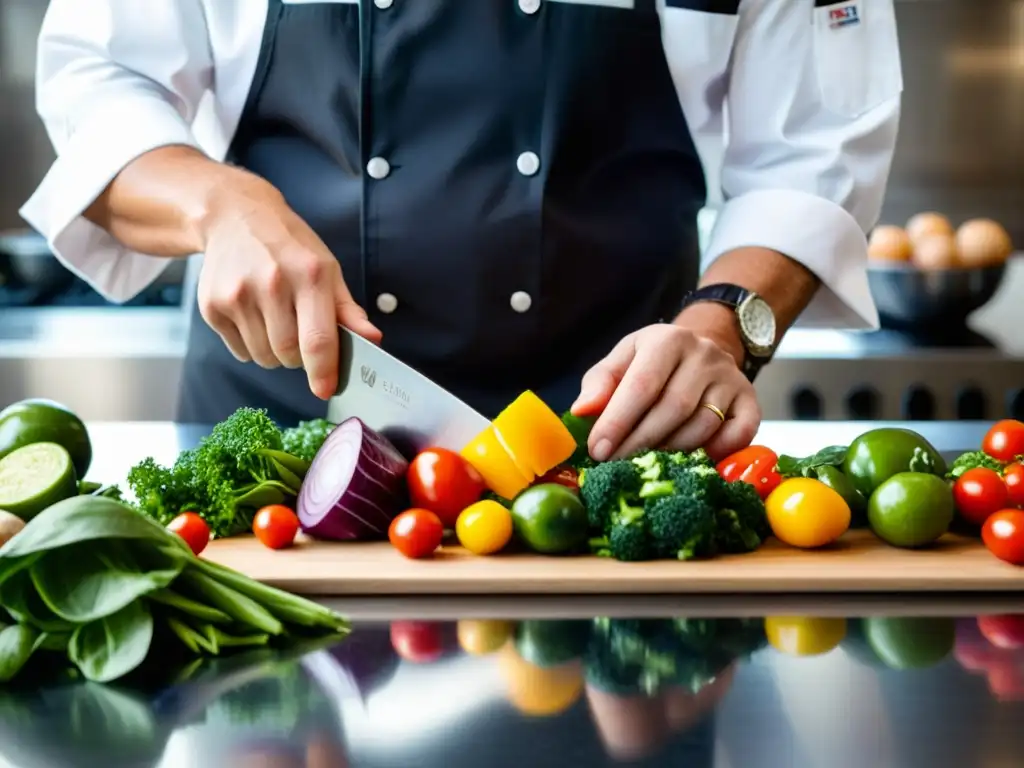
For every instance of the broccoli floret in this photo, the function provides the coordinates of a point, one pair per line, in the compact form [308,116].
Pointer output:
[306,439]
[681,527]
[970,460]
[651,464]
[627,538]
[741,520]
[603,487]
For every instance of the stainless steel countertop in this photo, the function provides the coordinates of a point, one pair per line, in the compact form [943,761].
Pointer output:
[117,447]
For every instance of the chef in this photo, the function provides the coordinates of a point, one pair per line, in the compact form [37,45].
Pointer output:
[503,192]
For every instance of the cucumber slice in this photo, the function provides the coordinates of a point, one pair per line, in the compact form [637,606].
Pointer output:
[35,477]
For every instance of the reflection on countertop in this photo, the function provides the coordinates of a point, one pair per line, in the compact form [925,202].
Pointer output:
[669,689]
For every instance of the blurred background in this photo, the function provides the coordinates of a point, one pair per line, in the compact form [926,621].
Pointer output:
[950,350]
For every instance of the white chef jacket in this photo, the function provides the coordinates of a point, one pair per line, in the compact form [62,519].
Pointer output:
[792,104]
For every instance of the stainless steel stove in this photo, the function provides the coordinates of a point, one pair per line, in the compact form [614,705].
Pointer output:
[892,376]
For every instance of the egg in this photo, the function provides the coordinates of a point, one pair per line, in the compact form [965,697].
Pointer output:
[937,251]
[926,224]
[983,243]
[889,243]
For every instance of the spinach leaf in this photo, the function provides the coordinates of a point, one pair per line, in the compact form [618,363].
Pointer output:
[114,645]
[83,518]
[87,581]
[17,644]
[19,596]
[833,456]
[294,464]
[262,494]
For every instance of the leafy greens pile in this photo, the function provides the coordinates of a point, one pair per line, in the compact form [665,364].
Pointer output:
[92,581]
[245,463]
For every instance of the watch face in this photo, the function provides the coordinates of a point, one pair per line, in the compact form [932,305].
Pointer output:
[757,323]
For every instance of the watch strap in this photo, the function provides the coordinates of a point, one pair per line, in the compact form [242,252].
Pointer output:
[722,293]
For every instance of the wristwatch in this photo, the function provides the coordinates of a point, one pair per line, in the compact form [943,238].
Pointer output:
[754,317]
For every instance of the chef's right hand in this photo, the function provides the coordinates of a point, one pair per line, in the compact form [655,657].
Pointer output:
[273,291]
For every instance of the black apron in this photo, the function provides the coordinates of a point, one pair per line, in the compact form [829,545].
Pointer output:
[509,192]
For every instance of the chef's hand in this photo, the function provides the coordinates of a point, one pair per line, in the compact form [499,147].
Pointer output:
[274,292]
[651,388]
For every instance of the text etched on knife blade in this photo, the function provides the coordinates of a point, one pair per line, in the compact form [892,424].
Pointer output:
[389,388]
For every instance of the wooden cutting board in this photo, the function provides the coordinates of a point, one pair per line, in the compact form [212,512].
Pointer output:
[859,562]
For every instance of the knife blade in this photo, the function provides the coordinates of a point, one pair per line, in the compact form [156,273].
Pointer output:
[398,401]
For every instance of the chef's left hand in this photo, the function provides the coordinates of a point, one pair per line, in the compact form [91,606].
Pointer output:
[651,388]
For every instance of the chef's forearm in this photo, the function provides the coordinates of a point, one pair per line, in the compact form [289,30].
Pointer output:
[163,201]
[786,285]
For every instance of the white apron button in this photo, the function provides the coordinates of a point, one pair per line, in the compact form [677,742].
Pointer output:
[528,163]
[529,6]
[378,168]
[383,4]
[521,301]
[387,303]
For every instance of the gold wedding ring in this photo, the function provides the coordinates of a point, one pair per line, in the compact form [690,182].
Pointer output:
[715,410]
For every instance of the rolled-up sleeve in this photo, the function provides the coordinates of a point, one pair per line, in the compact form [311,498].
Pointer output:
[115,79]
[812,108]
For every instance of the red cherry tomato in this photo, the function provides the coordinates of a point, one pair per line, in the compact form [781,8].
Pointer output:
[193,529]
[1006,631]
[566,476]
[417,641]
[443,482]
[1003,534]
[275,526]
[763,475]
[978,493]
[1004,441]
[416,533]
[731,467]
[1013,477]
[755,465]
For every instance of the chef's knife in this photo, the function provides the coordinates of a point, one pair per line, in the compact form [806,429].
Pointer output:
[398,401]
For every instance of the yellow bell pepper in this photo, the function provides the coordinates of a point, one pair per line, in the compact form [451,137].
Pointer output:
[486,453]
[535,436]
[525,441]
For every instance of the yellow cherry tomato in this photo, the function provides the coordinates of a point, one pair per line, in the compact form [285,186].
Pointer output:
[804,512]
[804,635]
[478,637]
[484,528]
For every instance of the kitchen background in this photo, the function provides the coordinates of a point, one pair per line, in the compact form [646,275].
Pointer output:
[960,153]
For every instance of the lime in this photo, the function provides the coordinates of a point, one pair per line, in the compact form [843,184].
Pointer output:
[550,519]
[910,643]
[911,509]
[44,421]
[35,477]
